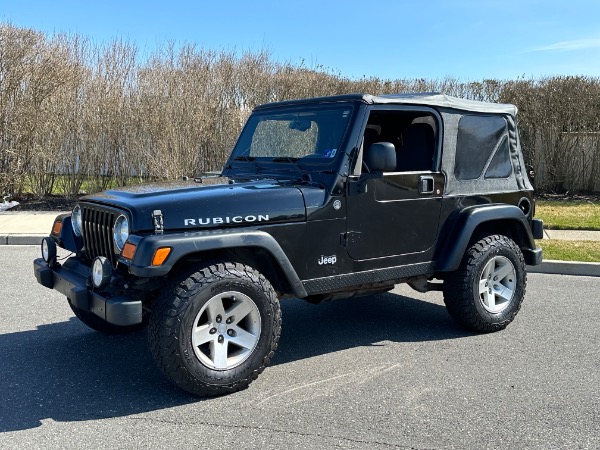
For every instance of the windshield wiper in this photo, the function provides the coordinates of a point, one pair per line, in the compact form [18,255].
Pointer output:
[285,159]
[305,175]
[244,158]
[290,160]
[247,159]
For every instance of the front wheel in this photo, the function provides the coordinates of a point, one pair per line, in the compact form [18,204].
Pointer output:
[214,331]
[486,292]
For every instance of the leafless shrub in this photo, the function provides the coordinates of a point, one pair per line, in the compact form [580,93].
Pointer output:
[560,130]
[76,116]
[34,72]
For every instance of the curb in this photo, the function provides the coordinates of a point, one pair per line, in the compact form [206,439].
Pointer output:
[21,239]
[586,269]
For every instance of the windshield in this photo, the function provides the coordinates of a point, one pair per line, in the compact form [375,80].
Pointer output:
[303,134]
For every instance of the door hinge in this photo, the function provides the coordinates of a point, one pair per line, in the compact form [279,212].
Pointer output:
[344,239]
[351,237]
[157,219]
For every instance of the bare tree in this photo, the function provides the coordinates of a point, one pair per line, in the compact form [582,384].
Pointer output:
[77,116]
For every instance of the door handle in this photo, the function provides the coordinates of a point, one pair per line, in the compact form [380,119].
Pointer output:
[426,184]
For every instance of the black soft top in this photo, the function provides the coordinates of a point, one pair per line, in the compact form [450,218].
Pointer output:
[421,98]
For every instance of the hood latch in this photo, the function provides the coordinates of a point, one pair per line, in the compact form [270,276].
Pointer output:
[157,219]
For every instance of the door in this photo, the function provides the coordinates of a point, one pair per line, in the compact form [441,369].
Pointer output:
[397,213]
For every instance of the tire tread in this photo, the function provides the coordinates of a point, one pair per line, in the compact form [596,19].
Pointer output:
[458,295]
[167,314]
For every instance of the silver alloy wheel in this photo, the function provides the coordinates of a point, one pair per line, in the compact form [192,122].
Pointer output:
[226,330]
[497,284]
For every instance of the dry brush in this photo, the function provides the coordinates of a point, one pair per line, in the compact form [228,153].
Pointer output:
[77,116]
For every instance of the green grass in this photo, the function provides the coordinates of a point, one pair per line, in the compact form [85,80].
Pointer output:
[585,251]
[569,215]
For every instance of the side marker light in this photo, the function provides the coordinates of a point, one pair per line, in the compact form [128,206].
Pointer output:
[161,255]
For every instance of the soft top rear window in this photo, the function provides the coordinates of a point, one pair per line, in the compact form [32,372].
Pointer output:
[479,139]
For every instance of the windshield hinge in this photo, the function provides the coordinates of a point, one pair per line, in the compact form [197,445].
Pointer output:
[356,186]
[157,219]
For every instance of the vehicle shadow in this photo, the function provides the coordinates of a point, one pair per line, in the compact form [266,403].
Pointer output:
[66,372]
[312,330]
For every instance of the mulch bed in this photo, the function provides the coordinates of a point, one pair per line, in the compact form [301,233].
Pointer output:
[569,197]
[29,202]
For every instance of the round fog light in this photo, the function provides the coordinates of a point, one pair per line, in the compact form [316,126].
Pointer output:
[101,272]
[48,250]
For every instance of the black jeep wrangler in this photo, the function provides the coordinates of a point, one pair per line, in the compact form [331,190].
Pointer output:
[320,199]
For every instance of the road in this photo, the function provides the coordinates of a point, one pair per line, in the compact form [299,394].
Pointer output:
[384,372]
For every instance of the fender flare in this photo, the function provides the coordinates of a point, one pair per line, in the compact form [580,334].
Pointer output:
[66,238]
[183,244]
[457,239]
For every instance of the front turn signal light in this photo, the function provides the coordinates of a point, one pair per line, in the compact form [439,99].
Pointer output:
[128,251]
[160,256]
[56,228]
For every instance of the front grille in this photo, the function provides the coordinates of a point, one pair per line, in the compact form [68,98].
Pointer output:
[98,224]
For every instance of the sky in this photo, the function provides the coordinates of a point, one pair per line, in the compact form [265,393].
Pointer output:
[466,39]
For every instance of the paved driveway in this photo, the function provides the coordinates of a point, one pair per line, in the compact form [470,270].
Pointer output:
[392,371]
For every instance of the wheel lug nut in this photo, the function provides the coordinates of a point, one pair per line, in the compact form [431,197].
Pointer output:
[495,278]
[229,319]
[231,332]
[212,330]
[220,339]
[218,319]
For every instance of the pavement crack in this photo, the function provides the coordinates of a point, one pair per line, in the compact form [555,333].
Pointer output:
[280,431]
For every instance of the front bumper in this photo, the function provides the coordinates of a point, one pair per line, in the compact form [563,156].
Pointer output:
[71,279]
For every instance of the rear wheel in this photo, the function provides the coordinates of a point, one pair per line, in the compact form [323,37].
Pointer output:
[214,331]
[486,292]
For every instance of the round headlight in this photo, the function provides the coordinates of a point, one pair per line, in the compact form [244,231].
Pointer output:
[121,232]
[76,220]
[101,272]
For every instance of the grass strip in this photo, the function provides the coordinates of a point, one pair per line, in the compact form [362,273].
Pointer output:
[569,215]
[584,251]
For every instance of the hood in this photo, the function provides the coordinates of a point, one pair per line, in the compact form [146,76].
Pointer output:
[215,202]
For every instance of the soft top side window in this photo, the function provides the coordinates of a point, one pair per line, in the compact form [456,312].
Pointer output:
[413,134]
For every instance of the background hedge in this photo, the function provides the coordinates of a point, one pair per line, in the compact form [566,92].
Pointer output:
[76,116]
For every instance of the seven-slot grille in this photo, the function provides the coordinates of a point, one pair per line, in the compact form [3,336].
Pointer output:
[98,226]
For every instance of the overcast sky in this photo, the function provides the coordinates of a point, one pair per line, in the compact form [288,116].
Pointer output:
[466,39]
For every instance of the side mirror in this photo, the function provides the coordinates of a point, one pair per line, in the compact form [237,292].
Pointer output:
[381,157]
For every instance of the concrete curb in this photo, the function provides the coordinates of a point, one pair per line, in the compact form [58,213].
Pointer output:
[586,269]
[21,239]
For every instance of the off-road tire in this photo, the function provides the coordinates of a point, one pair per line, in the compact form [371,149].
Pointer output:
[462,288]
[178,311]
[96,323]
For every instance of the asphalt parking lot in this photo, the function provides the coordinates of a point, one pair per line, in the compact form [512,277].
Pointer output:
[391,371]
